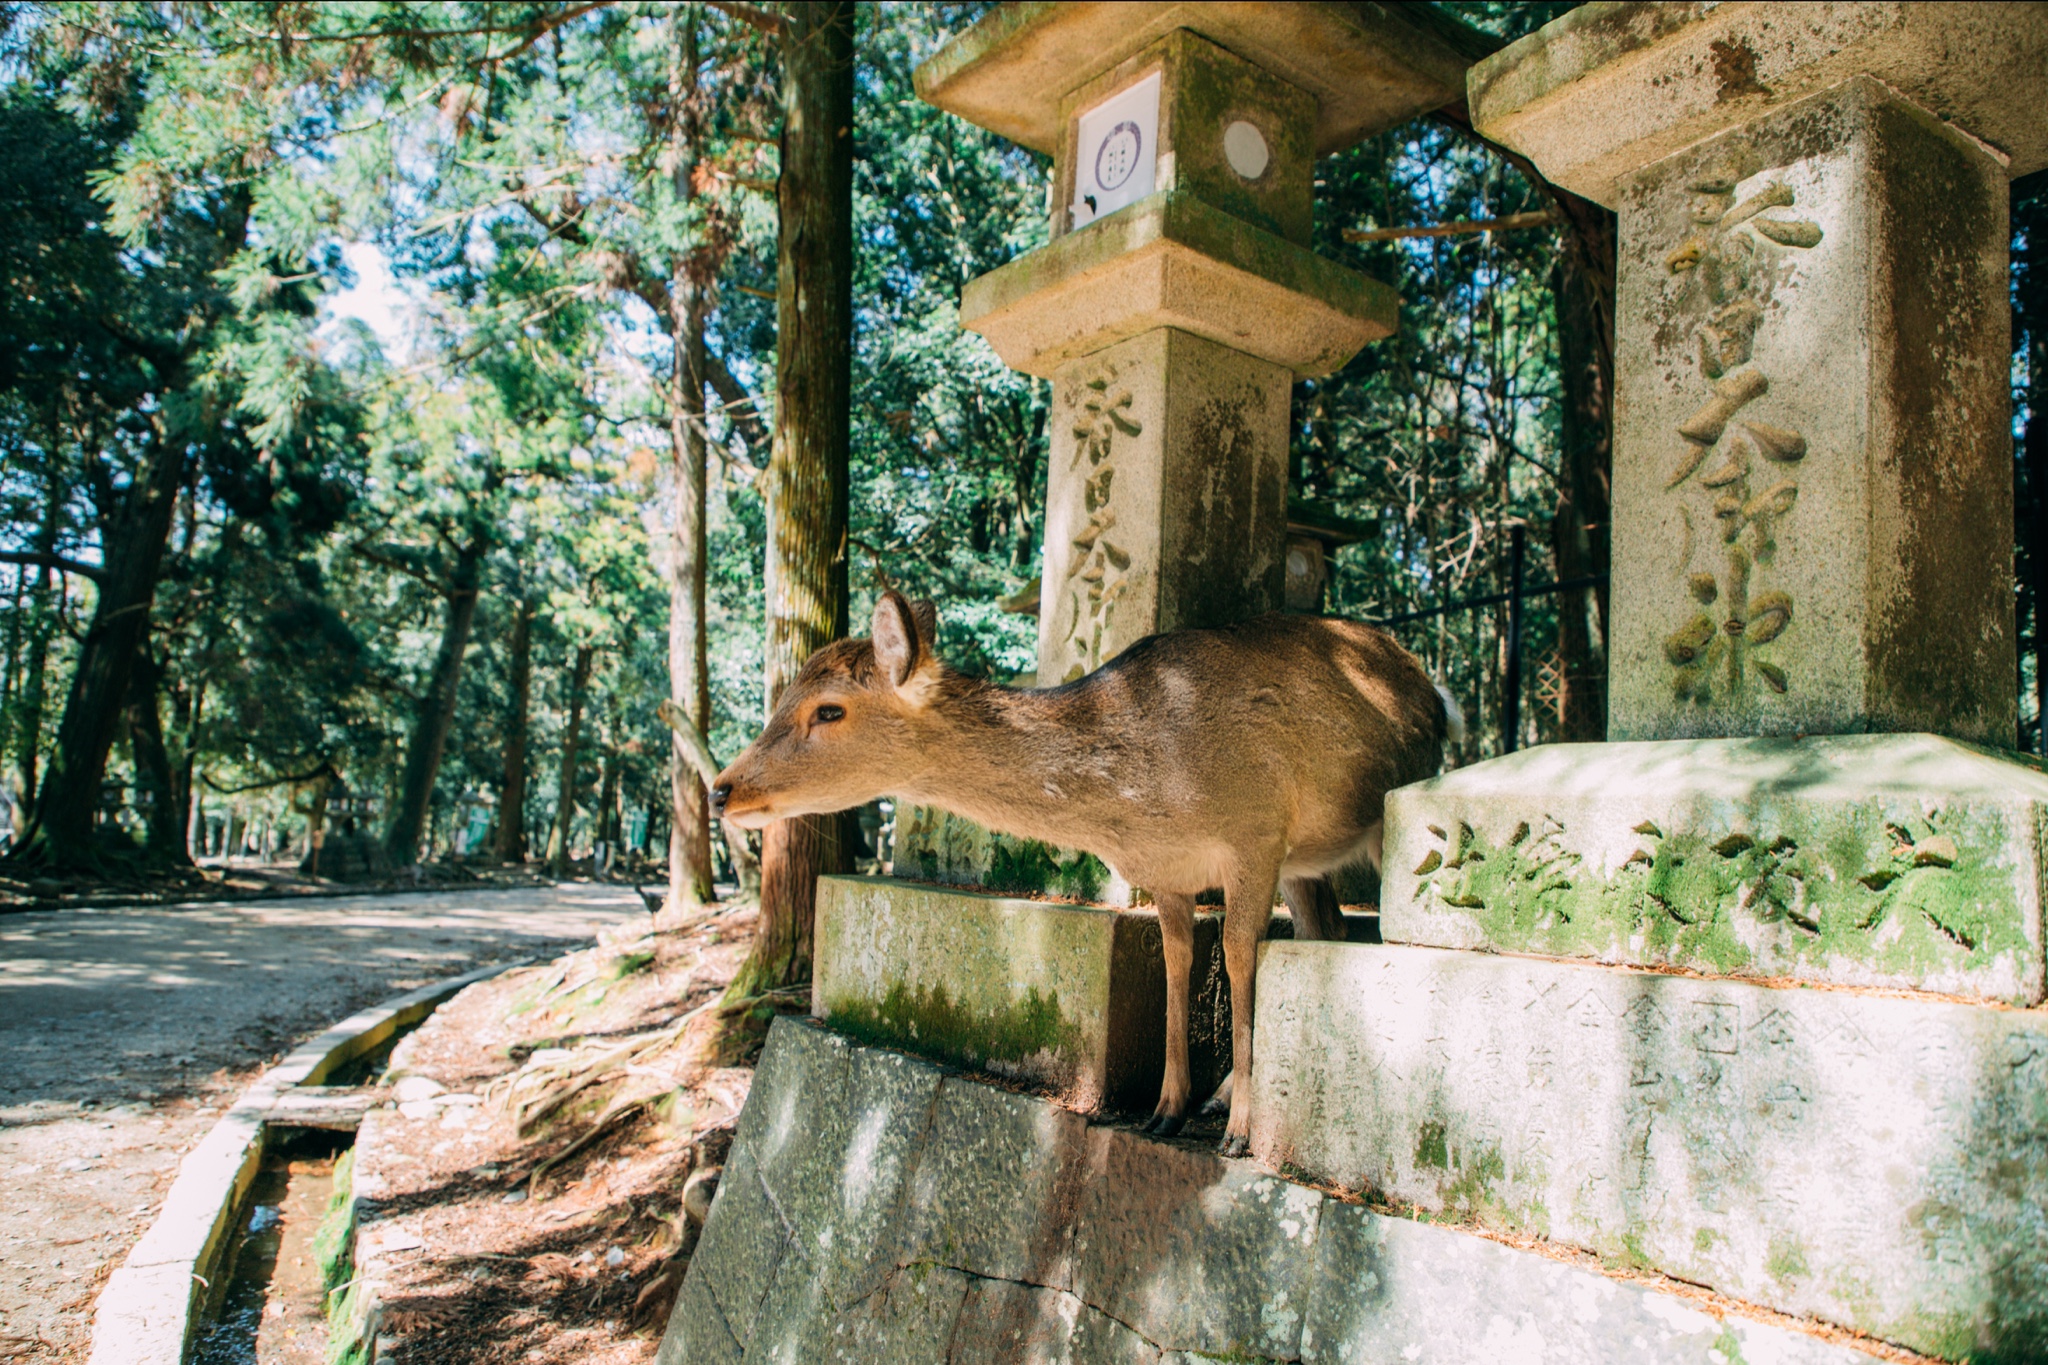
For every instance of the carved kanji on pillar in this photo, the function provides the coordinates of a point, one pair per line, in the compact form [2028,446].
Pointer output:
[1750,481]
[1097,564]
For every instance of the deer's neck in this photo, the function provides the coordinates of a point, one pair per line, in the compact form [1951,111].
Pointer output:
[1025,762]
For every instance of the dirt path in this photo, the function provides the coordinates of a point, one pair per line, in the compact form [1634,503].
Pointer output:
[126,1030]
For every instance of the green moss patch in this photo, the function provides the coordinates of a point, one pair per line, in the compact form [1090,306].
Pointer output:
[1027,865]
[334,1239]
[928,1020]
[1904,896]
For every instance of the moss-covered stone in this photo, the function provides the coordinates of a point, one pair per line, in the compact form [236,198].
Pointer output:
[1871,1160]
[1893,860]
[960,1222]
[1070,997]
[942,1028]
[934,845]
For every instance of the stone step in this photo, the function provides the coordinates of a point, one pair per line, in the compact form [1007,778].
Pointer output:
[877,1208]
[1877,1161]
[1068,997]
[1875,860]
[336,1107]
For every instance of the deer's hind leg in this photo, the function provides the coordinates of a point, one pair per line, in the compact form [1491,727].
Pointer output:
[1317,916]
[1177,944]
[1247,907]
[1313,903]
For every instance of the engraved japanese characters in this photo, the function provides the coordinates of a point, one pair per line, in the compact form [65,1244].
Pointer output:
[1738,471]
[1097,564]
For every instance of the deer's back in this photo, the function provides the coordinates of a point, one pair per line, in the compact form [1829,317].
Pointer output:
[1286,728]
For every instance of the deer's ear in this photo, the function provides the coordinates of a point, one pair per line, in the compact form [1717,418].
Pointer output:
[926,613]
[896,638]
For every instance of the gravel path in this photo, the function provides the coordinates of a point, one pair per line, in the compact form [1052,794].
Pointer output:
[123,1032]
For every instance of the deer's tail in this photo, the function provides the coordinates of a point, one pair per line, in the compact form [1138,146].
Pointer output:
[1454,719]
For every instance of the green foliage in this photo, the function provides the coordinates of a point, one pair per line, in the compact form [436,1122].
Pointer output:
[203,208]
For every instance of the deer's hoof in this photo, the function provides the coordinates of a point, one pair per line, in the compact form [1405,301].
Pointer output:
[1233,1145]
[1216,1106]
[1164,1125]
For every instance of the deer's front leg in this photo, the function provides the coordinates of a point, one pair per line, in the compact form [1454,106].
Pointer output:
[1177,944]
[1247,906]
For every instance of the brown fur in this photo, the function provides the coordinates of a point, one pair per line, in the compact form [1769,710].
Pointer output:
[1228,758]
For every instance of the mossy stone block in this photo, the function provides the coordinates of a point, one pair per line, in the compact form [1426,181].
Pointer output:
[1177,1255]
[1071,998]
[1873,860]
[933,845]
[996,1191]
[1879,1162]
[1393,1290]
[1193,1252]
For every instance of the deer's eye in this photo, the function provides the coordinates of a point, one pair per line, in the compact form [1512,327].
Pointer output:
[825,713]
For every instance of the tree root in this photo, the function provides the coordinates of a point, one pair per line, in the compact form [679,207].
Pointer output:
[613,1118]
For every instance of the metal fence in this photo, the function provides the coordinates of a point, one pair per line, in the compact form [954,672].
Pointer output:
[1518,592]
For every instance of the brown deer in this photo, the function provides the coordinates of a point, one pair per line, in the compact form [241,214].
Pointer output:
[1234,758]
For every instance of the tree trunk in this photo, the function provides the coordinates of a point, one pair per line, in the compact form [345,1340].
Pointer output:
[689,854]
[608,821]
[153,770]
[32,683]
[316,826]
[689,849]
[192,814]
[9,714]
[1584,291]
[435,715]
[61,832]
[572,734]
[511,847]
[807,471]
[746,868]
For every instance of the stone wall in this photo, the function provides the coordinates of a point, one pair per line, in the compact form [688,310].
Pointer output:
[878,1208]
[1878,1162]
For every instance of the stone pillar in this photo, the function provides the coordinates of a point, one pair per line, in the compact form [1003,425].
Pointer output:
[1812,607]
[1812,509]
[1812,455]
[1172,310]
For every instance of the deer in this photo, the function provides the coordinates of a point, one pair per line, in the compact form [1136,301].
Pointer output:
[1240,757]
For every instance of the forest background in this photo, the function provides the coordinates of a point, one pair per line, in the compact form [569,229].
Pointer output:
[400,402]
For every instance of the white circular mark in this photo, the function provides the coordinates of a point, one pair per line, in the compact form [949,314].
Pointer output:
[1244,147]
[1297,563]
[1117,157]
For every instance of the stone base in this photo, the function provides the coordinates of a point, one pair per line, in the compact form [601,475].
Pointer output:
[876,1209]
[1070,998]
[1876,1161]
[1875,860]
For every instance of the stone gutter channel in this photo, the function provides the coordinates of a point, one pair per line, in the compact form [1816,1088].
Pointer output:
[153,1307]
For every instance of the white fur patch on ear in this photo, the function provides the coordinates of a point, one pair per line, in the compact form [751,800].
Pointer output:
[895,637]
[921,686]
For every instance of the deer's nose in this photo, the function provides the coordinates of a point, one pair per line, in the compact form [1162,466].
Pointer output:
[719,794]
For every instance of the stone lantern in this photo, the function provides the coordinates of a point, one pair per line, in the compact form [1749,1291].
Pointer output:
[1174,307]
[1812,595]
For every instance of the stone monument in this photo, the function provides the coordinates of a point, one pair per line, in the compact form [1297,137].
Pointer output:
[1812,509]
[1173,308]
[1813,640]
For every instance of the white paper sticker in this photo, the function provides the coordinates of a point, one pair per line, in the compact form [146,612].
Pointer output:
[1116,151]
